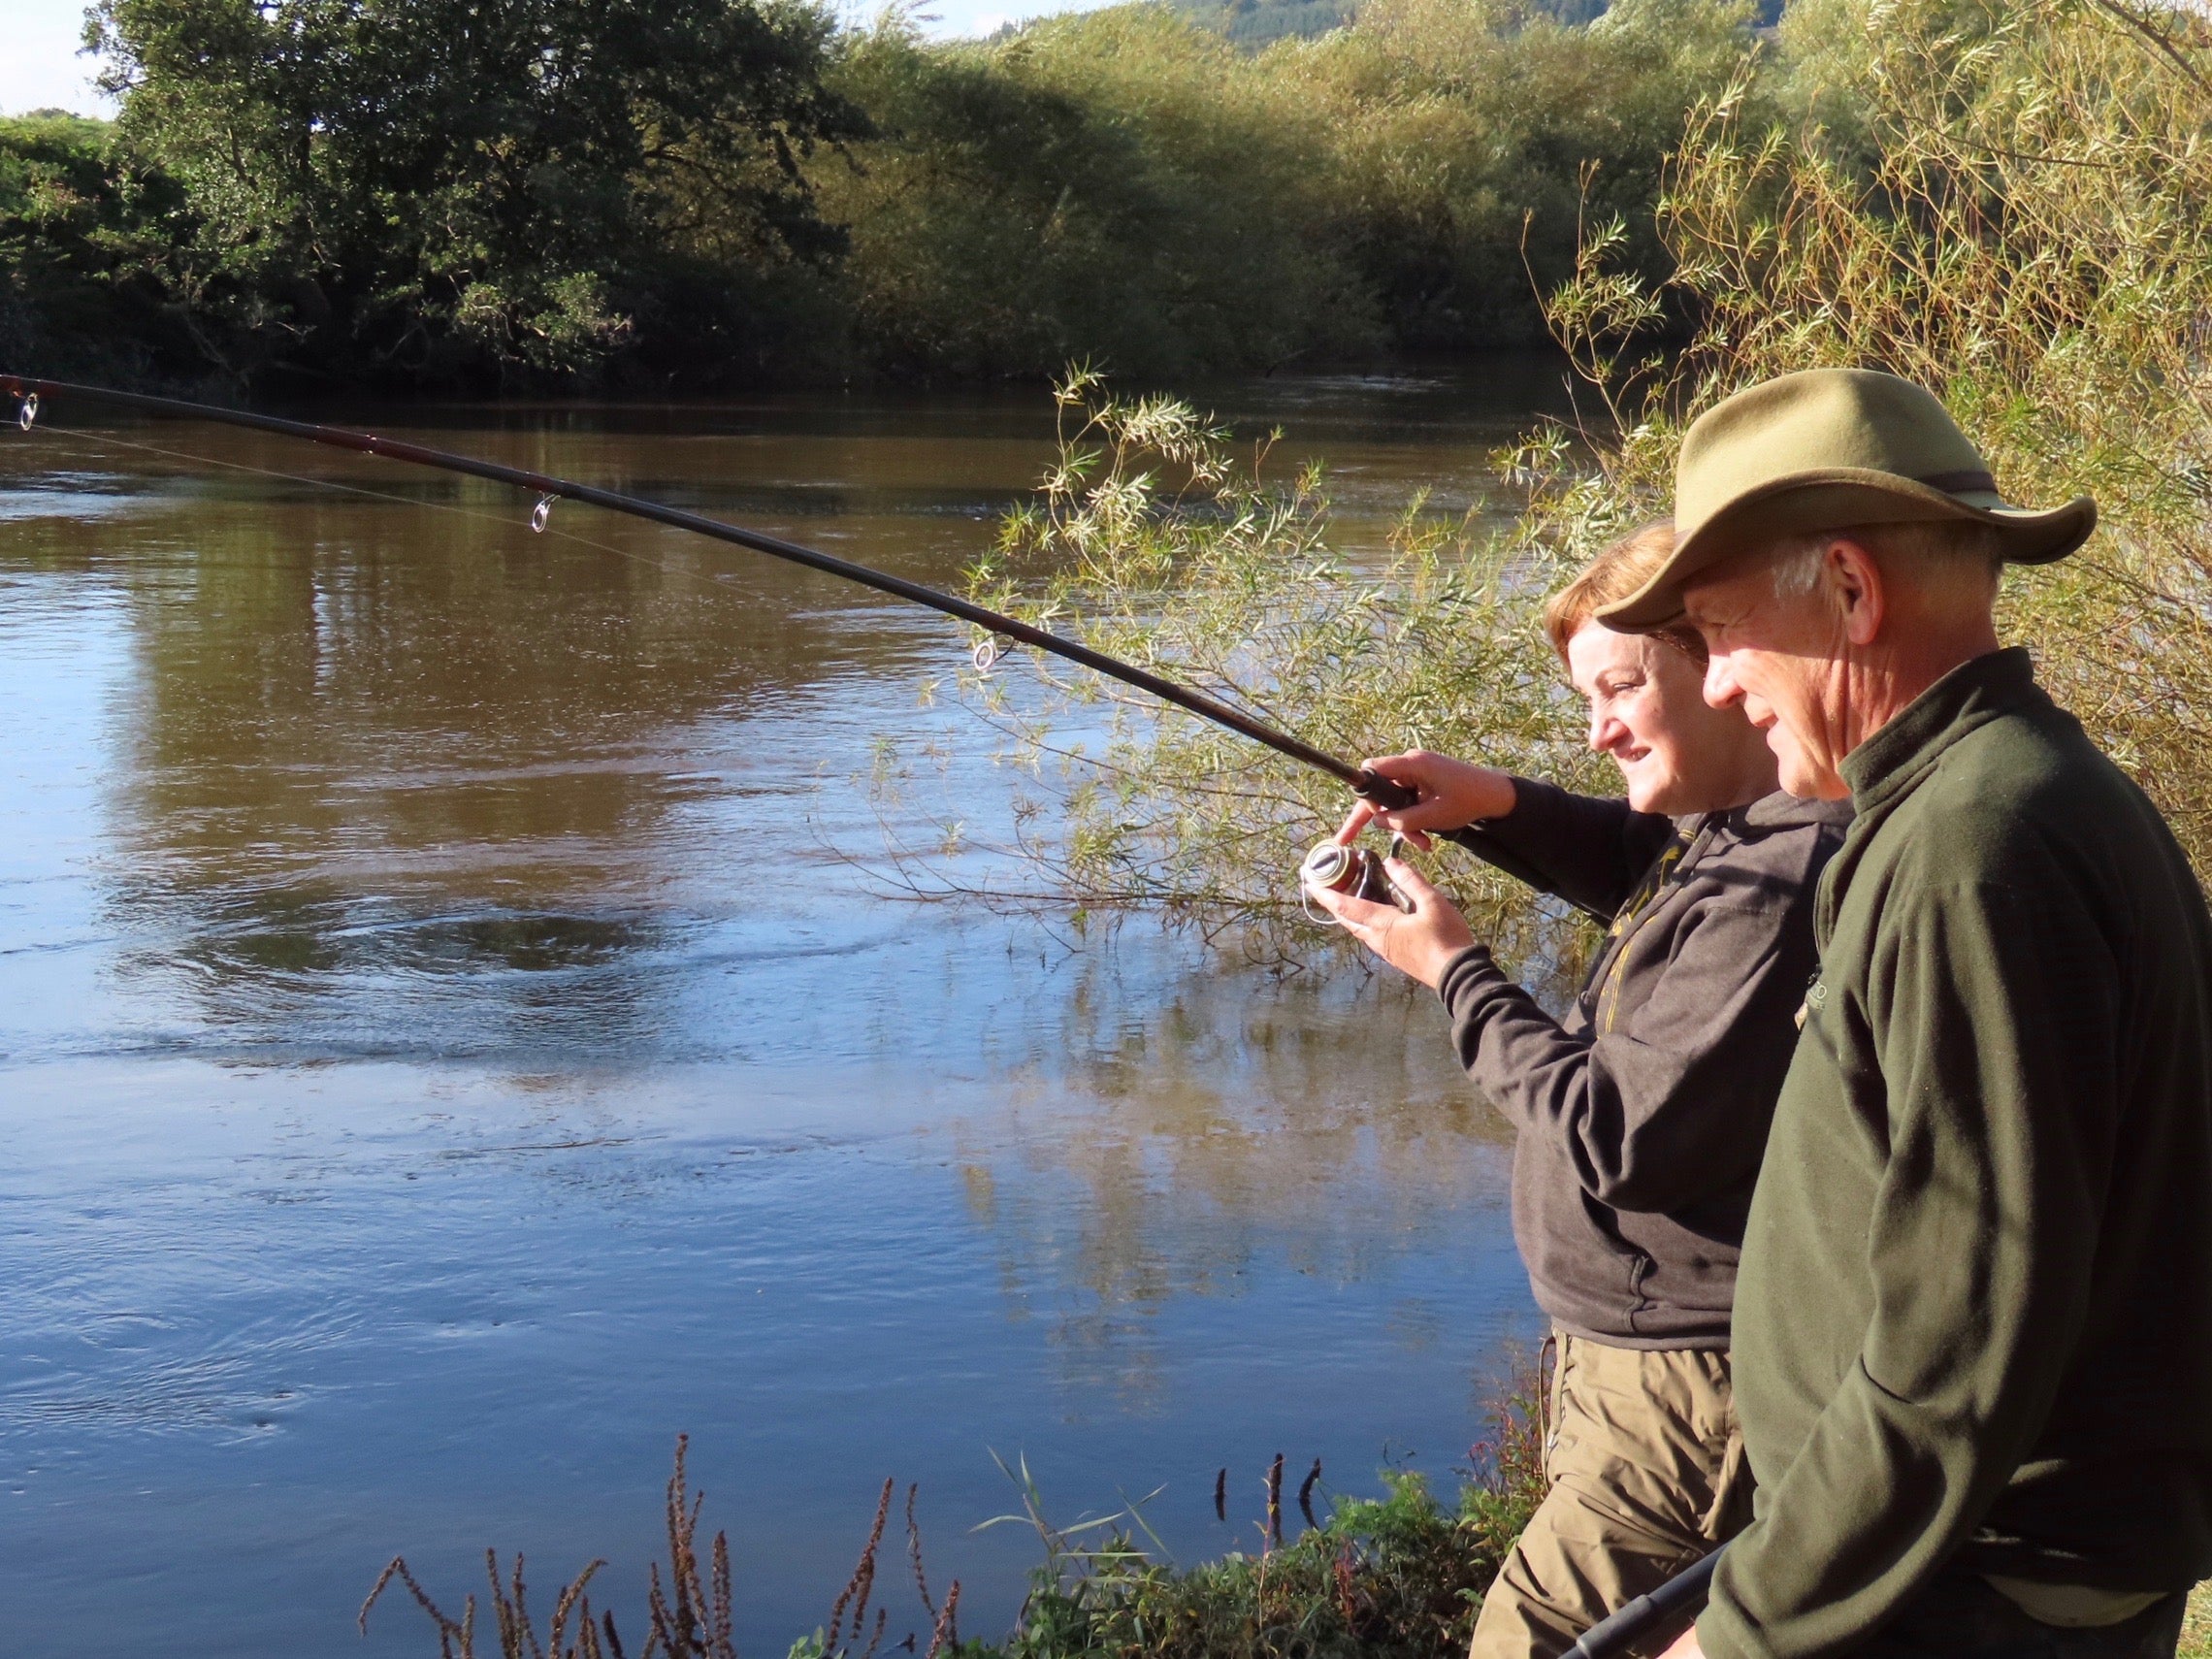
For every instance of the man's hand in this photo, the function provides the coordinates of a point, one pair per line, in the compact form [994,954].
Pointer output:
[1452,794]
[1418,942]
[1685,1647]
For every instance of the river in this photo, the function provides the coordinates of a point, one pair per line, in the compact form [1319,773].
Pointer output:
[455,1037]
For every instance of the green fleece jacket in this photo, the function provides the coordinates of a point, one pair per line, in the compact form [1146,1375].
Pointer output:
[1973,1327]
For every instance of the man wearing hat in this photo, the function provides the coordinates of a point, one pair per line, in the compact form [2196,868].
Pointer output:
[1973,1327]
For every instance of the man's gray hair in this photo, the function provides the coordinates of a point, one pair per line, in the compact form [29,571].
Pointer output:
[1945,553]
[1793,563]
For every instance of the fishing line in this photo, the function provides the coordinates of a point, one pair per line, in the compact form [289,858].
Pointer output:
[719,580]
[1369,785]
[49,435]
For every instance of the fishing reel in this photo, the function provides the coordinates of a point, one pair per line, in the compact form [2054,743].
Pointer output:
[1352,872]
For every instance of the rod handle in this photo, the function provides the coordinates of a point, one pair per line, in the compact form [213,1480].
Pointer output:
[1373,786]
[1683,1594]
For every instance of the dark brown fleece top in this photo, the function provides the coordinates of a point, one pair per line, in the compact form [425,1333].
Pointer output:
[1643,1111]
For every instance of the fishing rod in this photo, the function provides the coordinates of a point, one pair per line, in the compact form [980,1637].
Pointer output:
[1615,1636]
[1364,782]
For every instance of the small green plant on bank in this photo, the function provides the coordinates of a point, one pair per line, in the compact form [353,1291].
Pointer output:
[1397,1576]
[2197,1625]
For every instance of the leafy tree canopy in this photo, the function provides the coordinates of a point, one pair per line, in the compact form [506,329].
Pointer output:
[418,186]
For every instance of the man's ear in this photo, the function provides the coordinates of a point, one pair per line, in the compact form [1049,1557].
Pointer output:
[1855,582]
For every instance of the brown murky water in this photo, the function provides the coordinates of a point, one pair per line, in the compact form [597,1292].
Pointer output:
[453,1039]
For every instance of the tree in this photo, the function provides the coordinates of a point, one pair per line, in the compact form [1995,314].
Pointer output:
[437,189]
[82,236]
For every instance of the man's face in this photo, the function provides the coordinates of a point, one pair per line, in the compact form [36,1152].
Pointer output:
[1783,660]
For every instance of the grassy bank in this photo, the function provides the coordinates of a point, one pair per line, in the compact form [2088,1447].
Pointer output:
[1397,1576]
[2197,1630]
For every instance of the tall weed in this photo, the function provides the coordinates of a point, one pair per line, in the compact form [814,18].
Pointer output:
[1158,540]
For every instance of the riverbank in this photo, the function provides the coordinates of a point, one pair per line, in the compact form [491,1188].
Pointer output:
[1398,1576]
[808,203]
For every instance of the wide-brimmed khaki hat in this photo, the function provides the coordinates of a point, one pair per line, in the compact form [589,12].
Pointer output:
[1830,449]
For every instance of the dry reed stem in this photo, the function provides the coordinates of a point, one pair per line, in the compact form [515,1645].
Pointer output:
[689,1619]
[1275,1502]
[692,1609]
[1306,1492]
[862,1581]
[448,1632]
[517,1637]
[914,1550]
[1347,1601]
[945,1635]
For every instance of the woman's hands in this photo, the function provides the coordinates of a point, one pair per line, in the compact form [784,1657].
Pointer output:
[1452,794]
[1418,942]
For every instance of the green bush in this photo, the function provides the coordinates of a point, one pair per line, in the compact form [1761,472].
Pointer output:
[83,243]
[432,191]
[690,191]
[1470,141]
[1399,1576]
[1121,186]
[1127,187]
[1160,540]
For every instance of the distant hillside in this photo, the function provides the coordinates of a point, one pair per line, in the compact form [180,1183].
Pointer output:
[1253,23]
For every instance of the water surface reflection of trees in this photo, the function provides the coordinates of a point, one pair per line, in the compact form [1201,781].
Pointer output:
[1185,1139]
[369,738]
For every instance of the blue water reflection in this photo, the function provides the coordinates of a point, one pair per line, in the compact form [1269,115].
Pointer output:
[447,1052]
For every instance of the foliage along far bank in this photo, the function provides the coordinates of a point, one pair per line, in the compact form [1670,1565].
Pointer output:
[684,194]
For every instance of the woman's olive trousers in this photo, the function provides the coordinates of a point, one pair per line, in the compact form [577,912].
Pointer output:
[1648,1474]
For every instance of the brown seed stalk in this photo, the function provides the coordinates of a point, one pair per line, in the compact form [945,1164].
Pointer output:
[914,1550]
[946,1635]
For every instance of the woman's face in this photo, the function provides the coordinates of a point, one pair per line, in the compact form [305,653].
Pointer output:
[1647,710]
